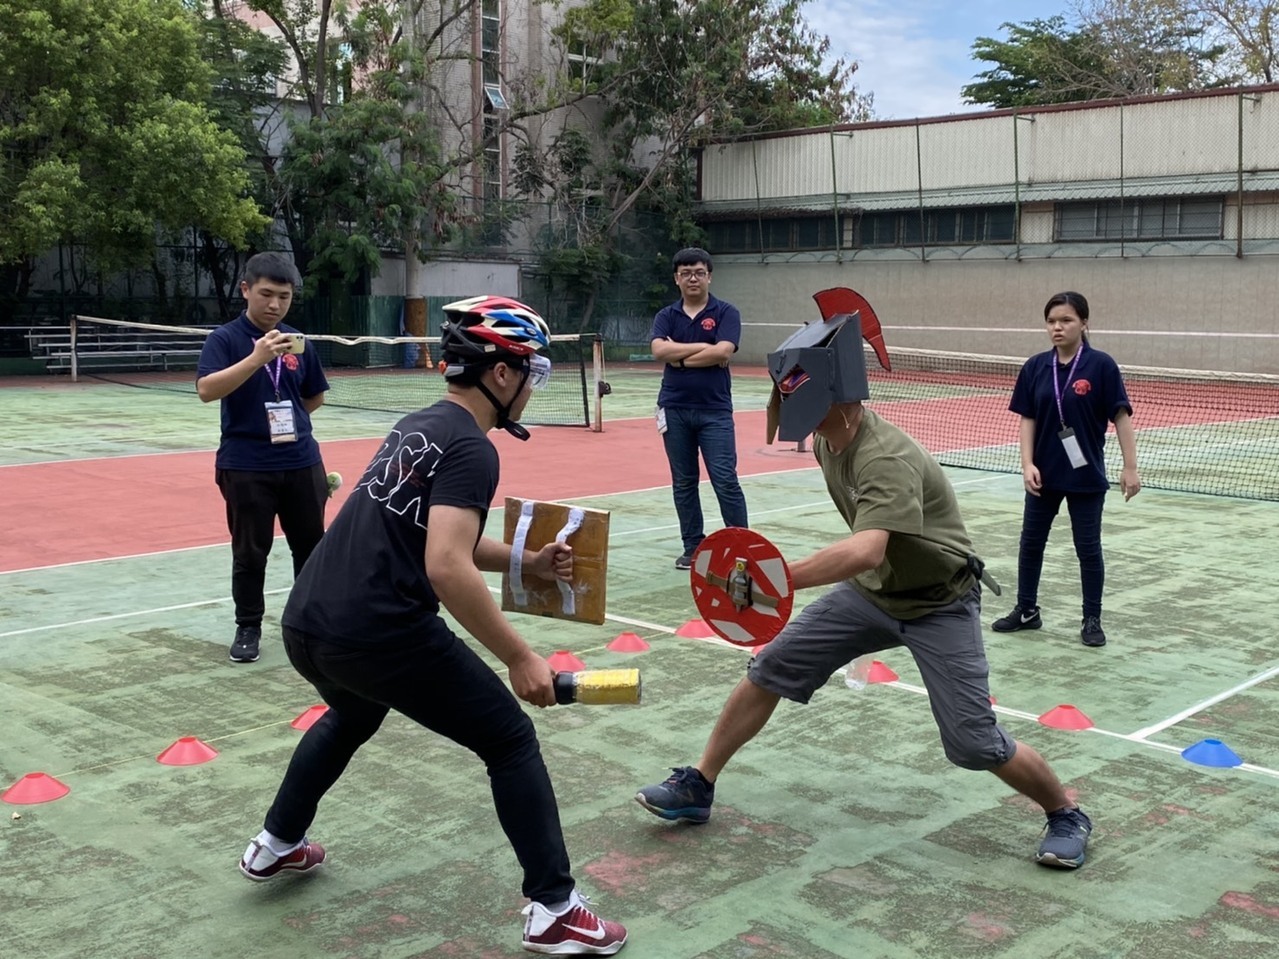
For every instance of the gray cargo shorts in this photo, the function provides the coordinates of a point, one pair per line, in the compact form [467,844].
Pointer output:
[947,647]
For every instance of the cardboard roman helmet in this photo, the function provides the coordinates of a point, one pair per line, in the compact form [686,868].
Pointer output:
[822,364]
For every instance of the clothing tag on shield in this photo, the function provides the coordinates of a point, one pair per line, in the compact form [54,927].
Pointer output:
[742,586]
[279,418]
[1070,443]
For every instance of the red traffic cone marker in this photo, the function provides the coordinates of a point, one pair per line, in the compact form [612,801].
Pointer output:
[187,751]
[307,719]
[879,673]
[695,629]
[628,643]
[33,788]
[562,661]
[1065,717]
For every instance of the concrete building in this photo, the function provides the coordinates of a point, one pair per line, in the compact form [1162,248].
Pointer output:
[1163,211]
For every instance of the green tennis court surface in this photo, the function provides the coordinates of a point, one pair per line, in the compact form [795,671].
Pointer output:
[841,831]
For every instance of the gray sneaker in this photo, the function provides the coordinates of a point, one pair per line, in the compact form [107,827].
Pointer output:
[684,562]
[1066,840]
[245,647]
[684,795]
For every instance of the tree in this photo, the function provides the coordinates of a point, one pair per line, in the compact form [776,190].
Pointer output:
[673,76]
[1249,29]
[1118,48]
[105,133]
[1039,62]
[382,132]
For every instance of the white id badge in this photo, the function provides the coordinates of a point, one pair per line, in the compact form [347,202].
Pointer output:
[661,421]
[1071,445]
[279,419]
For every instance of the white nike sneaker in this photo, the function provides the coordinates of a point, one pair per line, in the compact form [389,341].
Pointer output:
[575,932]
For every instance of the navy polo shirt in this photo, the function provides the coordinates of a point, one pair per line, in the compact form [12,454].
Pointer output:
[246,438]
[1092,398]
[702,387]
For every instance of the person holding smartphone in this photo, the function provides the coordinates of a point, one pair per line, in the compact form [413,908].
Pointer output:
[268,463]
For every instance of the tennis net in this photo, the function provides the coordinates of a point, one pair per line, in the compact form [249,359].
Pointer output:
[392,374]
[1200,432]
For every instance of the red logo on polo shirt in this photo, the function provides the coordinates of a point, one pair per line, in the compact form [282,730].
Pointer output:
[708,322]
[291,362]
[1082,387]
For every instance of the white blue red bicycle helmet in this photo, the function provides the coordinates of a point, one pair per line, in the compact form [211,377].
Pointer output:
[482,331]
[481,326]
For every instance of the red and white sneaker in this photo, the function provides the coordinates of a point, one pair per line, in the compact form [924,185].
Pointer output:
[578,932]
[260,863]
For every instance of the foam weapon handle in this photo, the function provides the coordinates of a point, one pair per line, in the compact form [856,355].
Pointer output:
[598,687]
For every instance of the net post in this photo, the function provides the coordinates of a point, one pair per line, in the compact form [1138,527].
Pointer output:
[597,364]
[75,330]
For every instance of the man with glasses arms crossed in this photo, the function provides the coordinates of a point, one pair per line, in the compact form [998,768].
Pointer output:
[695,337]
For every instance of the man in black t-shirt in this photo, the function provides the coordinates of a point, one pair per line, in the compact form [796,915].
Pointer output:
[363,622]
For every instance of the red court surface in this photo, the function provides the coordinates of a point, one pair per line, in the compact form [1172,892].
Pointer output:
[123,506]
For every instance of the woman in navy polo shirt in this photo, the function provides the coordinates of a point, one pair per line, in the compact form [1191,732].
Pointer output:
[1065,397]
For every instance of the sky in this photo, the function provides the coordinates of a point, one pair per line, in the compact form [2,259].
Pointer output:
[915,55]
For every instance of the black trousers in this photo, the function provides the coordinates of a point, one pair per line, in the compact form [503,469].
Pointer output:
[253,501]
[439,682]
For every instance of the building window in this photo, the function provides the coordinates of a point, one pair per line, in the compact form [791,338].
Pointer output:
[957,227]
[779,234]
[491,41]
[581,65]
[494,101]
[1141,218]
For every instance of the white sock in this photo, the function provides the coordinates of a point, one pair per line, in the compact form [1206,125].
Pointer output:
[277,846]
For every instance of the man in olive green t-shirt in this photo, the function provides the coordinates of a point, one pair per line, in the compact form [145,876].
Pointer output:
[906,576]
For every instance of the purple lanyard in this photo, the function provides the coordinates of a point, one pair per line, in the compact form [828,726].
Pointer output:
[1059,391]
[274,374]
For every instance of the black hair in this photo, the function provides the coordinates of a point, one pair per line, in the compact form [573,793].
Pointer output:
[692,256]
[1075,301]
[275,267]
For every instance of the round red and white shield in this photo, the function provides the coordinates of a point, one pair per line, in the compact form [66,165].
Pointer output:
[742,586]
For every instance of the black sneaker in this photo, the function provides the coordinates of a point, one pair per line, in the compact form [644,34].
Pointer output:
[245,647]
[1091,634]
[1068,831]
[1022,617]
[684,562]
[685,795]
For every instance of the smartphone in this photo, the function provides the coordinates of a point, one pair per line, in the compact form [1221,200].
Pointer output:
[297,342]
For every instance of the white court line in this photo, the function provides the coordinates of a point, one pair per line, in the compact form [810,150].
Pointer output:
[136,612]
[1136,738]
[1215,334]
[1127,737]
[1141,734]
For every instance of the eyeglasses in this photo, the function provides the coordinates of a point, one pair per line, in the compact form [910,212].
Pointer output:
[691,275]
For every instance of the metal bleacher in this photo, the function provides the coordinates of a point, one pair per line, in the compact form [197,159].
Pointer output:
[110,349]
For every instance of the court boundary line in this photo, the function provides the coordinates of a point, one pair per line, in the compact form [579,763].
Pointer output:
[1138,738]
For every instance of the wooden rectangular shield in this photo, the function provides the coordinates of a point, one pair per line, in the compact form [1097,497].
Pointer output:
[531,525]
